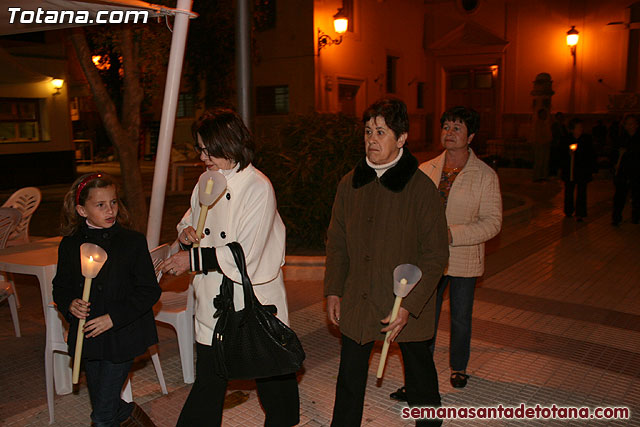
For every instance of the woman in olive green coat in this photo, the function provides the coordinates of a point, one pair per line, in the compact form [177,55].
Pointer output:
[385,213]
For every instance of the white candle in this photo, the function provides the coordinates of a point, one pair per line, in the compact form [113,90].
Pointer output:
[573,148]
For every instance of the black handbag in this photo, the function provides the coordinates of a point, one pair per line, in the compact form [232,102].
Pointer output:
[253,342]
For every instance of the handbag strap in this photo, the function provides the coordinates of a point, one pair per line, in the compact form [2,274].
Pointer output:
[247,287]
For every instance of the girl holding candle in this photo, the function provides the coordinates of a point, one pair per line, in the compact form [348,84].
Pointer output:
[578,164]
[119,318]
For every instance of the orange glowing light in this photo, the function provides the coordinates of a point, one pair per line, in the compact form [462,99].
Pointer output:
[573,147]
[340,22]
[101,62]
[572,36]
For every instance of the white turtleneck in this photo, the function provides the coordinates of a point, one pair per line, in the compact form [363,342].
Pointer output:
[381,169]
[227,173]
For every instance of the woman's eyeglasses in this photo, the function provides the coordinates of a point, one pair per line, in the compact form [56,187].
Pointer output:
[201,150]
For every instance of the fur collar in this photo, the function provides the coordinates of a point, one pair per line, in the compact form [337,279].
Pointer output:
[393,179]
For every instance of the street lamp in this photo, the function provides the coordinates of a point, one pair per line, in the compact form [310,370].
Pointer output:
[57,85]
[340,25]
[572,41]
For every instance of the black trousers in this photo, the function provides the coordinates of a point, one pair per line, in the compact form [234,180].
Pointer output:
[420,378]
[278,395]
[581,198]
[623,186]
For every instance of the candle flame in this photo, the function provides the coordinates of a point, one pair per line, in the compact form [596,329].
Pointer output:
[90,258]
[573,147]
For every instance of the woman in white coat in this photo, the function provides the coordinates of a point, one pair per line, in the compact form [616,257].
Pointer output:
[470,191]
[246,213]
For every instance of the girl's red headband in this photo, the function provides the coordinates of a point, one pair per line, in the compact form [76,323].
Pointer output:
[84,184]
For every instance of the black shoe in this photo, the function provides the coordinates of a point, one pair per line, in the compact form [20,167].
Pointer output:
[615,223]
[579,219]
[138,418]
[400,395]
[459,380]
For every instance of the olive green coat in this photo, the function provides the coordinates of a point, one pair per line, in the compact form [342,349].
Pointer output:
[377,224]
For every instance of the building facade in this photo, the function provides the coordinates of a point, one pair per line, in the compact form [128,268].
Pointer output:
[434,54]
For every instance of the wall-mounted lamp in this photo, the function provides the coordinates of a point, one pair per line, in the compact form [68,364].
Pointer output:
[572,41]
[57,85]
[340,25]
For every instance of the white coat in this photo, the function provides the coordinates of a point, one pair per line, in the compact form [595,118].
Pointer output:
[245,213]
[474,213]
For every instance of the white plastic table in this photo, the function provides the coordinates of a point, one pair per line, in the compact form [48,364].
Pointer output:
[40,258]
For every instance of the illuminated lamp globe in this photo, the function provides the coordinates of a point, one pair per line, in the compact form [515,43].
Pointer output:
[340,22]
[572,36]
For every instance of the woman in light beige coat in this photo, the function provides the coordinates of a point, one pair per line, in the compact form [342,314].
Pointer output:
[470,192]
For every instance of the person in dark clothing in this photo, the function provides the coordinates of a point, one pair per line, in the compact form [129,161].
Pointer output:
[119,319]
[627,172]
[558,134]
[578,162]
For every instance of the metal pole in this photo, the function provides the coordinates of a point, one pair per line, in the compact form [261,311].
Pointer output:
[243,60]
[167,122]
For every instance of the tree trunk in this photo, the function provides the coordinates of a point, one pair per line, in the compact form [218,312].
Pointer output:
[124,134]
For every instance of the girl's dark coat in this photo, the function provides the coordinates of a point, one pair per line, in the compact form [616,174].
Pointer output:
[125,288]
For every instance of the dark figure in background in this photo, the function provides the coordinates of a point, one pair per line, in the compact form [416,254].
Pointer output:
[558,134]
[584,164]
[627,171]
[599,133]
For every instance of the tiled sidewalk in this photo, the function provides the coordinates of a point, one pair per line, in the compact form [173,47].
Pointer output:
[556,320]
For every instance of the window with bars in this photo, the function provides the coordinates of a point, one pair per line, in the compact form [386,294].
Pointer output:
[19,120]
[186,105]
[272,100]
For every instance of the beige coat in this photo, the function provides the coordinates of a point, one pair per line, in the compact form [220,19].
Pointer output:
[377,224]
[474,213]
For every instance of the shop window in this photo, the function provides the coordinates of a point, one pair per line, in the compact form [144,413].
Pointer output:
[19,120]
[272,100]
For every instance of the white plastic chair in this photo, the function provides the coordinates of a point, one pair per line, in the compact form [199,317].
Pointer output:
[6,293]
[177,310]
[55,343]
[9,219]
[158,254]
[26,200]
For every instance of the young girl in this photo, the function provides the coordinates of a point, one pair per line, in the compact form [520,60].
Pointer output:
[120,323]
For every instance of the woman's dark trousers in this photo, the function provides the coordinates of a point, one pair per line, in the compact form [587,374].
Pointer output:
[421,380]
[278,396]
[461,294]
